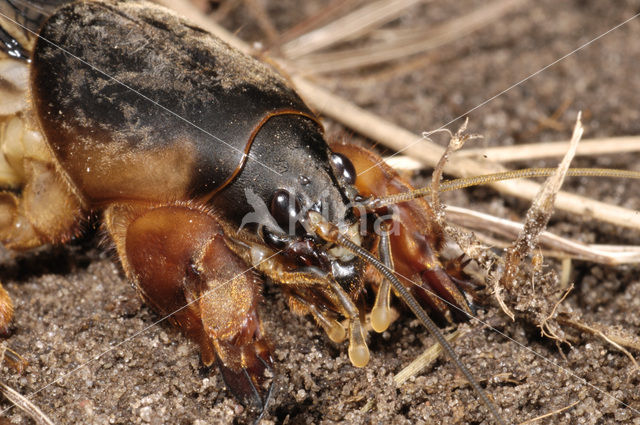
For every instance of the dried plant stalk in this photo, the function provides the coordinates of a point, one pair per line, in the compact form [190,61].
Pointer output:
[546,415]
[538,215]
[23,403]
[347,27]
[603,254]
[399,139]
[407,44]
[329,13]
[525,152]
[616,337]
[532,294]
[529,151]
[425,359]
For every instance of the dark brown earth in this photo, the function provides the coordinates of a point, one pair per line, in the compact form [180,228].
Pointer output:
[73,305]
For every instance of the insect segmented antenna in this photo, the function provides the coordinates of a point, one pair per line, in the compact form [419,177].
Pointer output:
[330,233]
[524,173]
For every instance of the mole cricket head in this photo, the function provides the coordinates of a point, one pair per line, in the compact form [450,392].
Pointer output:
[291,172]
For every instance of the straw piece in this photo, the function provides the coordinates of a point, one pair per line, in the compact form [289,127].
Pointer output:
[348,27]
[616,337]
[603,254]
[424,360]
[546,415]
[529,151]
[23,403]
[526,152]
[406,44]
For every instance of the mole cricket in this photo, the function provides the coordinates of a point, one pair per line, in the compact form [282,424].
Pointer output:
[317,274]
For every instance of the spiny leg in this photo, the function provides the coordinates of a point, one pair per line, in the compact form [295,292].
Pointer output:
[230,318]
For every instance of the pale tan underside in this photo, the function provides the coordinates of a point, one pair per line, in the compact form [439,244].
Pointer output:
[37,205]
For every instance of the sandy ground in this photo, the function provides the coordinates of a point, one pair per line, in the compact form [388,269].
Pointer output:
[74,308]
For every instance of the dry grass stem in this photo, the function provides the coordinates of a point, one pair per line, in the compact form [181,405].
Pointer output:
[257,9]
[525,152]
[626,257]
[546,415]
[562,247]
[193,14]
[224,9]
[404,163]
[612,336]
[529,151]
[622,249]
[407,43]
[538,215]
[396,70]
[329,13]
[513,288]
[23,403]
[456,143]
[425,359]
[565,273]
[348,27]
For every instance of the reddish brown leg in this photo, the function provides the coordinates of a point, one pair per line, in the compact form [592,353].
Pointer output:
[415,236]
[178,258]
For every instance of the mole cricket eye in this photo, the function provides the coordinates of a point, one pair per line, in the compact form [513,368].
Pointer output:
[284,209]
[344,167]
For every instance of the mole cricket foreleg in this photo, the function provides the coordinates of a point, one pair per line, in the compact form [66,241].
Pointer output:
[178,258]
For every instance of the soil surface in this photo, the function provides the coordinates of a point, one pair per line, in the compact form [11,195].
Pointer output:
[96,355]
